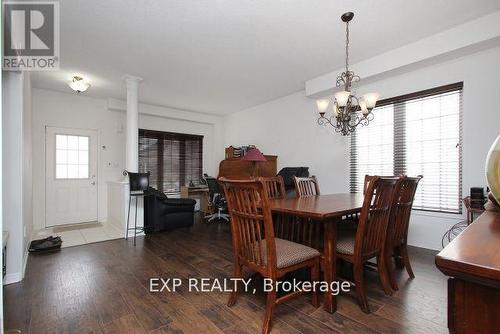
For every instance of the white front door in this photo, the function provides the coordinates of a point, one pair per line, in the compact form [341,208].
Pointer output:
[71,176]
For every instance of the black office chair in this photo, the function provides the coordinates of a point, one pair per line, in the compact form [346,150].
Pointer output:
[138,185]
[216,199]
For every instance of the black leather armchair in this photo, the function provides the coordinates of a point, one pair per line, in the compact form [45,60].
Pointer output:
[162,213]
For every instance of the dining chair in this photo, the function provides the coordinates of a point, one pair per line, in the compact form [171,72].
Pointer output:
[274,186]
[367,241]
[368,178]
[306,186]
[397,230]
[296,229]
[255,246]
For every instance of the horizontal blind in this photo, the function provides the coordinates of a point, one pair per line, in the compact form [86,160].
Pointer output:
[431,132]
[426,131]
[372,148]
[173,159]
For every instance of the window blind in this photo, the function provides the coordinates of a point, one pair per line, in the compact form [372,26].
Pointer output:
[173,159]
[425,128]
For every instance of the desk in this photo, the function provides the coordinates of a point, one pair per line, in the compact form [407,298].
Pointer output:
[472,260]
[200,193]
[326,209]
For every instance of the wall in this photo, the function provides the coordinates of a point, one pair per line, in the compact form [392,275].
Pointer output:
[27,162]
[16,170]
[287,127]
[51,108]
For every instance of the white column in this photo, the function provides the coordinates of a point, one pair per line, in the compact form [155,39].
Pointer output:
[132,142]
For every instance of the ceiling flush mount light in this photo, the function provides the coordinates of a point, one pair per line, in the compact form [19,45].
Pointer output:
[349,111]
[78,84]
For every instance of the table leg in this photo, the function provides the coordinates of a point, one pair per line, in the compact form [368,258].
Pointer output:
[330,303]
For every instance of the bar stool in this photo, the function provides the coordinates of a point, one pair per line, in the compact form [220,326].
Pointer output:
[138,185]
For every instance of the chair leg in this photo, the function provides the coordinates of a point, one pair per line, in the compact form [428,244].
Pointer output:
[383,273]
[390,270]
[397,257]
[315,278]
[406,260]
[128,216]
[135,224]
[360,287]
[234,294]
[271,302]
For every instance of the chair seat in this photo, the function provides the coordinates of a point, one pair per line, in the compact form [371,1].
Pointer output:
[289,253]
[345,242]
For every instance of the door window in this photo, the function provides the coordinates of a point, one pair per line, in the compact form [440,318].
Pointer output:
[72,157]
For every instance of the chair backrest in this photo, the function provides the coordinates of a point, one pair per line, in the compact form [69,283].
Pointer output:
[373,220]
[368,178]
[287,173]
[138,181]
[306,186]
[213,186]
[251,223]
[401,210]
[274,186]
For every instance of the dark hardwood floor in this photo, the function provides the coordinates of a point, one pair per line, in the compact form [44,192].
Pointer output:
[103,287]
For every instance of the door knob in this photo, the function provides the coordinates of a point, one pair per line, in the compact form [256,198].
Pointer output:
[92,183]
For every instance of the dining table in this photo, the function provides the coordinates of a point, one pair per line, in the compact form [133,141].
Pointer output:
[328,210]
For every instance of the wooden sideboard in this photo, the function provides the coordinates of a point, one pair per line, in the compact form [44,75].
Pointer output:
[238,168]
[472,260]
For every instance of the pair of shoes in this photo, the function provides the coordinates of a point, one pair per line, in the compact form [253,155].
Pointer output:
[48,244]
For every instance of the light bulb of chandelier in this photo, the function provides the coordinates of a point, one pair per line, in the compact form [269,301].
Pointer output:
[342,98]
[322,105]
[362,105]
[370,100]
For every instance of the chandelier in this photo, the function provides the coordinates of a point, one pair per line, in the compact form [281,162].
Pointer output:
[349,111]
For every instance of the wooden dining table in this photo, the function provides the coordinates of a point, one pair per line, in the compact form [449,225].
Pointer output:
[327,210]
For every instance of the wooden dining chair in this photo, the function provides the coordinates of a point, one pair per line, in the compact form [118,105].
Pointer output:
[255,246]
[306,186]
[397,230]
[275,189]
[367,241]
[368,178]
[274,186]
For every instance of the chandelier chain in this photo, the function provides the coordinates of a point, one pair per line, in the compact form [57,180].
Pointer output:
[347,47]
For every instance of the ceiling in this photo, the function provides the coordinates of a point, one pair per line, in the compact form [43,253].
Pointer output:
[222,56]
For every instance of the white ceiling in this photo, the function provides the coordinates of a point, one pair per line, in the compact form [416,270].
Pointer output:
[221,56]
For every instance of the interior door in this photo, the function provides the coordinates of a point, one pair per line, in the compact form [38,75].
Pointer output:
[71,176]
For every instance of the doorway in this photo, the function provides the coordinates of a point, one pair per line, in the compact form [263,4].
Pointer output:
[71,176]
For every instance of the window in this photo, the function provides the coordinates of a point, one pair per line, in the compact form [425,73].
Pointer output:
[415,134]
[173,159]
[72,157]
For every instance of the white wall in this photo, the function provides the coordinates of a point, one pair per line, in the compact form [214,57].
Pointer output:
[287,127]
[16,170]
[51,108]
[27,162]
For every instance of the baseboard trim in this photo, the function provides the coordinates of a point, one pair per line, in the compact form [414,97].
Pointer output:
[25,263]
[12,278]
